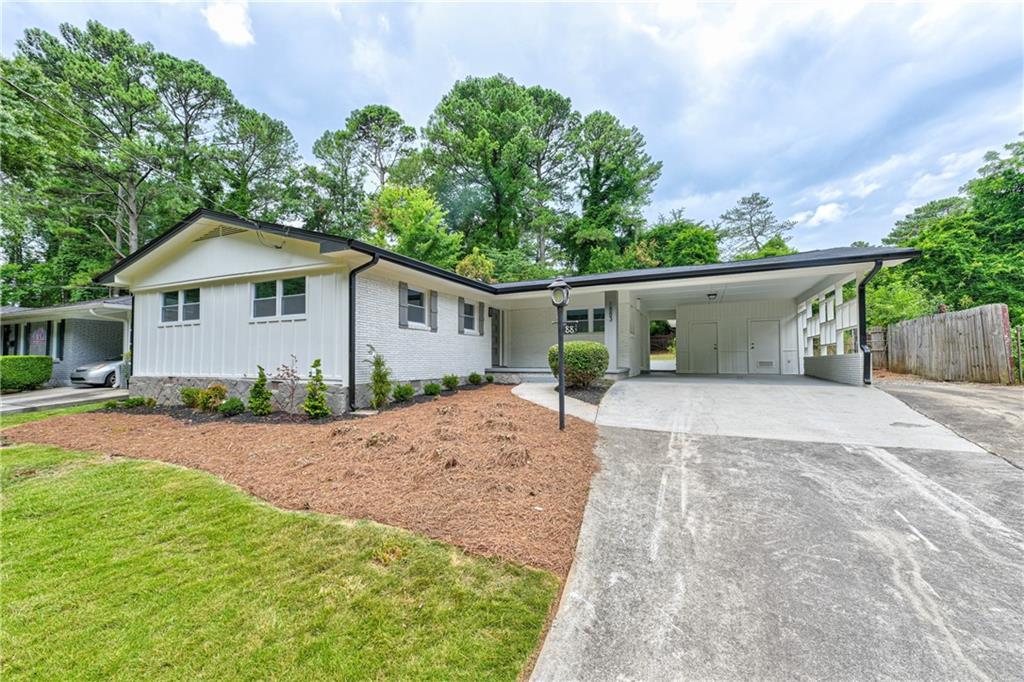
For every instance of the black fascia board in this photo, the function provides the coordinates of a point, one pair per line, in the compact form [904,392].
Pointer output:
[330,244]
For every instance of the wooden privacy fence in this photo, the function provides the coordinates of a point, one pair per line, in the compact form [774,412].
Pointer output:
[967,345]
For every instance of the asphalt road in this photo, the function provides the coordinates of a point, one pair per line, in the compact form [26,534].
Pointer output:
[721,556]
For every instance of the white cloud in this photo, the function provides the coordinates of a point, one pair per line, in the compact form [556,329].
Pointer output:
[826,213]
[801,216]
[229,19]
[953,170]
[829,194]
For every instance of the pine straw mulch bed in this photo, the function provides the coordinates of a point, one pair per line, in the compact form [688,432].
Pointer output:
[482,469]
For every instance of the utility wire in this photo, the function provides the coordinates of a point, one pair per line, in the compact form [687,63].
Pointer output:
[147,164]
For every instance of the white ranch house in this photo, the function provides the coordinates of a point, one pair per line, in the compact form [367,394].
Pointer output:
[216,295]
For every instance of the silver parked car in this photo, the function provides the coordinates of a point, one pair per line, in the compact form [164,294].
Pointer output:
[103,373]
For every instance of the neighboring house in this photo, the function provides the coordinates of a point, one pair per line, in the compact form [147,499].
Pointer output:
[73,334]
[217,295]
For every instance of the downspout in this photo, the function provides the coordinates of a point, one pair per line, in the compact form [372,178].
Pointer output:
[862,319]
[352,326]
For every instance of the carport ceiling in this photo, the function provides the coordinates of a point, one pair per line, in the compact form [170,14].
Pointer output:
[777,285]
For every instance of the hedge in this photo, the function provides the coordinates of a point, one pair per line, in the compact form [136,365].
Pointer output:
[585,362]
[21,372]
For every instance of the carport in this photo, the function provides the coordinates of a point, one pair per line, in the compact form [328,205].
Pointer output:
[788,315]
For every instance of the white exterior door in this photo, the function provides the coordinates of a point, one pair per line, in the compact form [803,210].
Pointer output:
[704,347]
[764,346]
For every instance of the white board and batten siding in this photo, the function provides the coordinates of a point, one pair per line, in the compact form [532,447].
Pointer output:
[734,335]
[227,341]
[417,354]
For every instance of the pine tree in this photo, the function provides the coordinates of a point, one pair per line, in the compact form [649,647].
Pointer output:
[260,396]
[315,405]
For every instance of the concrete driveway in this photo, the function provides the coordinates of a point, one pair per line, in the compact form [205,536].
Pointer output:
[789,528]
[62,396]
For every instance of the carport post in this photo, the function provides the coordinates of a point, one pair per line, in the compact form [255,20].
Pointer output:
[862,319]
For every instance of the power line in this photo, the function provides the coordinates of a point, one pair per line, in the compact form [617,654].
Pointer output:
[150,166]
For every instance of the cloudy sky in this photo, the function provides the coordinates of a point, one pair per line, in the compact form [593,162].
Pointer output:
[846,115]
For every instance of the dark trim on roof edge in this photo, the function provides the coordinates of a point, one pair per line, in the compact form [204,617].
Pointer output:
[330,244]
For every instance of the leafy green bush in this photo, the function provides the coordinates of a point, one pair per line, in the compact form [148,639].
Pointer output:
[403,393]
[450,381]
[260,396]
[315,405]
[475,379]
[22,372]
[212,397]
[380,379]
[432,389]
[585,362]
[489,378]
[110,405]
[137,401]
[231,407]
[190,396]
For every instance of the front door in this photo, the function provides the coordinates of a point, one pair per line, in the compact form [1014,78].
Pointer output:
[764,347]
[495,337]
[704,347]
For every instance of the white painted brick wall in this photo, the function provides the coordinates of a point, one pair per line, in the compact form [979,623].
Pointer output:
[844,369]
[415,354]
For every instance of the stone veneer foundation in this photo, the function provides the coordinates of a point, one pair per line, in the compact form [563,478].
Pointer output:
[167,390]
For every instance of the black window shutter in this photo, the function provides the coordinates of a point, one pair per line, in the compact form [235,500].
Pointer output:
[60,340]
[462,320]
[49,337]
[403,304]
[433,311]
[480,319]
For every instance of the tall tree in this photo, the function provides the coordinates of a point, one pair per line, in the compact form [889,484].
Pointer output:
[616,179]
[908,227]
[482,136]
[333,200]
[259,164]
[410,221]
[381,139]
[746,227]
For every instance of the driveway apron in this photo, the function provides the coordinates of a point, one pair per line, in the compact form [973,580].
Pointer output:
[711,548]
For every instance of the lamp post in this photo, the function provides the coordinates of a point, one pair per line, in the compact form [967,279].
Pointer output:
[560,298]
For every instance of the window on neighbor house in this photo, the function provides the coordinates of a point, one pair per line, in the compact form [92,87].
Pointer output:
[468,316]
[416,301]
[190,304]
[598,319]
[264,299]
[169,307]
[581,318]
[293,296]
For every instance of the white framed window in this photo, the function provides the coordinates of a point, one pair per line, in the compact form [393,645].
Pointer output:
[264,299]
[279,297]
[293,296]
[468,316]
[190,305]
[416,302]
[169,307]
[179,306]
[581,317]
[598,325]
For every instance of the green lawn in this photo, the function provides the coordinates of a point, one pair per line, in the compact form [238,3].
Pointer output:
[116,569]
[25,417]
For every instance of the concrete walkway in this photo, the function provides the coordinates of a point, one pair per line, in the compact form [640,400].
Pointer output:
[63,396]
[746,531]
[545,395]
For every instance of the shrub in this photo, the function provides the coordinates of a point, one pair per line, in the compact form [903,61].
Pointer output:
[403,393]
[260,396]
[585,362]
[450,381]
[212,397]
[489,378]
[231,407]
[315,405]
[137,401]
[475,379]
[432,389]
[22,372]
[190,396]
[380,379]
[110,405]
